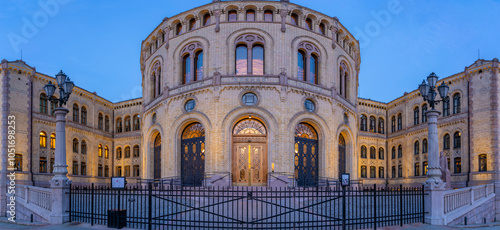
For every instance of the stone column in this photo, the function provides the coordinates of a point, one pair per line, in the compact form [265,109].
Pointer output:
[434,201]
[60,183]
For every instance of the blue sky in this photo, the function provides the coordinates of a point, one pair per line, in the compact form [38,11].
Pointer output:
[97,43]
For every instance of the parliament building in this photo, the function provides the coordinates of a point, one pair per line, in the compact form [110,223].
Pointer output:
[253,93]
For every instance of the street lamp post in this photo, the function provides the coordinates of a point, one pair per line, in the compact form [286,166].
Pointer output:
[434,200]
[60,183]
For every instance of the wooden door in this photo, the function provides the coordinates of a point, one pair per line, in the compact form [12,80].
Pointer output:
[249,164]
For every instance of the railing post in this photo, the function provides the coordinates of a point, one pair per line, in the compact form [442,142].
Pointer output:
[423,204]
[150,202]
[471,196]
[375,206]
[92,206]
[343,207]
[401,205]
[70,187]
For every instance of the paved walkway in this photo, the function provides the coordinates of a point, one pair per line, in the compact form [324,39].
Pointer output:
[82,226]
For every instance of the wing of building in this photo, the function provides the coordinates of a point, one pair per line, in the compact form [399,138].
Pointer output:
[252,93]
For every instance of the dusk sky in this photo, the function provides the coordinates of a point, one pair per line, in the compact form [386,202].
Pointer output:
[97,43]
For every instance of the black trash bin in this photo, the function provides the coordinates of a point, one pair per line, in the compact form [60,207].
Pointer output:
[117,218]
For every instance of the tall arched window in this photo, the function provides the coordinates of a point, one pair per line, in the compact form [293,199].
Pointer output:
[18,162]
[75,112]
[99,150]
[446,107]
[119,125]
[381,153]
[206,19]
[106,151]
[127,124]
[363,151]
[268,16]
[119,153]
[75,145]
[424,146]
[482,163]
[393,152]
[53,141]
[155,80]
[458,164]
[250,15]
[309,24]
[416,113]
[424,110]
[301,76]
[400,151]
[310,62]
[84,147]
[322,28]
[43,103]
[363,121]
[250,55]
[344,80]
[400,121]
[192,64]
[192,24]
[106,123]
[416,148]
[43,140]
[381,125]
[456,103]
[342,155]
[373,124]
[53,105]
[457,142]
[294,19]
[446,141]
[127,152]
[373,153]
[232,16]
[178,29]
[100,121]
[136,151]
[137,122]
[84,115]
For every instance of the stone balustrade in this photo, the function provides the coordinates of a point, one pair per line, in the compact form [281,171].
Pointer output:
[33,200]
[460,202]
[41,197]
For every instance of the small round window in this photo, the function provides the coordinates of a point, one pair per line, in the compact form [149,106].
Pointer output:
[310,106]
[154,118]
[189,106]
[249,99]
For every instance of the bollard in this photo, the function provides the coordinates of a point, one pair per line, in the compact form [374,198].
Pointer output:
[465,220]
[31,218]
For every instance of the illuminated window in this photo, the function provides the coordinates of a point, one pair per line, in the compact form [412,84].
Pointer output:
[458,165]
[99,150]
[106,152]
[425,168]
[18,162]
[53,141]
[43,140]
[482,163]
[118,153]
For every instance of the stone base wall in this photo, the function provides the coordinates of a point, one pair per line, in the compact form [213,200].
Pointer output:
[482,214]
[23,213]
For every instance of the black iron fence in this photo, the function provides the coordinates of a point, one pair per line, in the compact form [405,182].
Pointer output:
[180,207]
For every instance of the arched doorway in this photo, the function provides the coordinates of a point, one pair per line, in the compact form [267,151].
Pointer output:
[306,155]
[249,153]
[342,160]
[193,155]
[157,158]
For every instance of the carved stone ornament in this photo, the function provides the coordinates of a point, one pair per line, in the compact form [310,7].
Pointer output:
[309,48]
[249,39]
[191,47]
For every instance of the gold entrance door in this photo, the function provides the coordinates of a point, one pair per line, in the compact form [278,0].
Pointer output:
[249,164]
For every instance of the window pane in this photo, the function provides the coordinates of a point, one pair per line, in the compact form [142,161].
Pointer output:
[300,75]
[268,16]
[206,19]
[294,19]
[241,60]
[186,78]
[199,66]
[258,60]
[192,24]
[309,24]
[232,16]
[250,15]
[313,70]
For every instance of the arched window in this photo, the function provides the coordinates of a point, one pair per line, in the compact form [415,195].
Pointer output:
[106,171]
[232,16]
[43,103]
[155,80]
[106,151]
[344,80]
[43,139]
[99,170]
[53,141]
[206,19]
[381,125]
[192,24]
[416,148]
[137,122]
[118,125]
[75,145]
[363,151]
[363,122]
[301,66]
[363,171]
[393,152]
[373,172]
[313,69]
[53,105]
[424,110]
[393,124]
[446,107]
[373,124]
[84,147]
[18,162]
[457,142]
[373,153]
[424,146]
[458,164]
[136,151]
[416,170]
[100,121]
[268,16]
[43,165]
[250,15]
[178,29]
[99,150]
[424,168]
[400,121]
[309,24]
[106,123]
[250,55]
[400,151]
[446,141]
[118,153]
[416,113]
[381,153]
[322,28]
[400,171]
[83,167]
[84,115]
[456,103]
[127,152]
[75,112]
[482,163]
[342,155]
[192,64]
[393,172]
[294,19]
[127,124]
[381,173]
